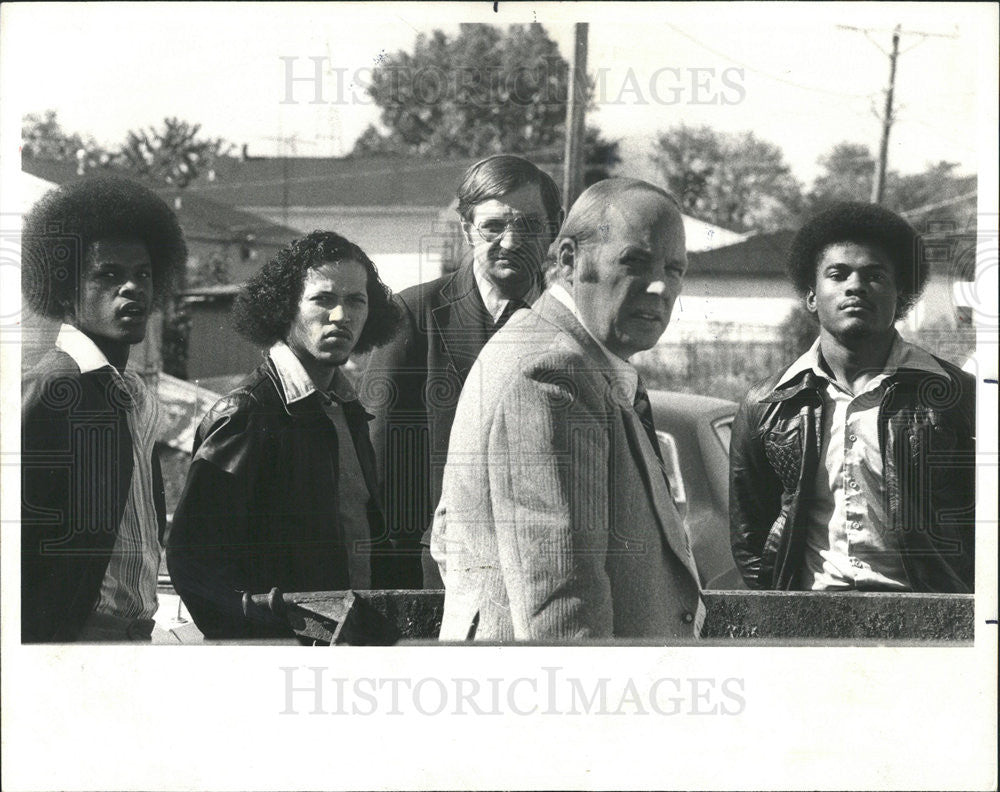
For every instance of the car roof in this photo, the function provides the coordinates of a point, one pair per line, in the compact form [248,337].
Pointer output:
[691,403]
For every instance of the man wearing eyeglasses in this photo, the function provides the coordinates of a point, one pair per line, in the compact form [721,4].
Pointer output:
[510,211]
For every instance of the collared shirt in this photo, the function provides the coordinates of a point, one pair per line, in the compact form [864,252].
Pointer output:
[495,303]
[850,541]
[353,492]
[128,590]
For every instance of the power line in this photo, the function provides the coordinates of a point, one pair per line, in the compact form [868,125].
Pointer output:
[939,205]
[886,118]
[763,73]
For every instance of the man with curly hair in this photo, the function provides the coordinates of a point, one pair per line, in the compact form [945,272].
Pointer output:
[98,255]
[281,489]
[854,468]
[510,210]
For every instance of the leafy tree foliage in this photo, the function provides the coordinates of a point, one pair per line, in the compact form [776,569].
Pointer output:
[483,91]
[847,175]
[173,154]
[42,137]
[737,181]
[936,193]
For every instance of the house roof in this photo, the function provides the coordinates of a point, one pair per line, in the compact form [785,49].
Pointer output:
[201,217]
[382,180]
[762,254]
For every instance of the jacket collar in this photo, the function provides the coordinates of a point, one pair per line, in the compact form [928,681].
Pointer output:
[91,360]
[809,371]
[294,384]
[461,321]
[623,370]
[550,310]
[460,284]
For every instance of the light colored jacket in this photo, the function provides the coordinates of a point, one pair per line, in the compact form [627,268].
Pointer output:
[555,521]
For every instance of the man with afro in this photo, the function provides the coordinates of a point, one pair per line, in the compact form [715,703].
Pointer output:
[98,255]
[281,489]
[854,468]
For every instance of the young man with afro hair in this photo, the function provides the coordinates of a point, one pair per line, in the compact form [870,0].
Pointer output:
[854,468]
[281,489]
[97,256]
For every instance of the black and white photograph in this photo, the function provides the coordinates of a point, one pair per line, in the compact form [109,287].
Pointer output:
[480,395]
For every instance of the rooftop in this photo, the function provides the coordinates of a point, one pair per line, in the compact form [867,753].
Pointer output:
[201,216]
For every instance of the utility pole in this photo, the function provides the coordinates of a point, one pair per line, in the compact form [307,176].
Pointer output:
[878,187]
[878,184]
[576,108]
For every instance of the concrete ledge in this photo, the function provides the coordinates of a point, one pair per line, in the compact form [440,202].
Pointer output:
[740,617]
[862,616]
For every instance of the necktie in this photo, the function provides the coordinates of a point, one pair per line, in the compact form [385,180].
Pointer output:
[508,311]
[645,412]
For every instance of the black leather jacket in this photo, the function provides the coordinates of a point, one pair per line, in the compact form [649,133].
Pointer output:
[260,506]
[927,431]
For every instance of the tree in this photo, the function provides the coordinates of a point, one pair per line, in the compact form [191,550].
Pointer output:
[174,155]
[484,91]
[42,137]
[847,175]
[736,181]
[936,192]
[600,156]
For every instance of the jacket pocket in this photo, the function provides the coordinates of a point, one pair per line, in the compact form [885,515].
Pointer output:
[783,449]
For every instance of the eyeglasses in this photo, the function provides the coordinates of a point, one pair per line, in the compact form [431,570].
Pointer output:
[491,230]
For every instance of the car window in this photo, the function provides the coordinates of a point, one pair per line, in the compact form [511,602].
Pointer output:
[724,431]
[671,461]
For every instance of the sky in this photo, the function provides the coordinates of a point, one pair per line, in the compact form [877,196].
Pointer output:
[785,71]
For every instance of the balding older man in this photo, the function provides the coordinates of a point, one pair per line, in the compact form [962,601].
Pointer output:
[556,520]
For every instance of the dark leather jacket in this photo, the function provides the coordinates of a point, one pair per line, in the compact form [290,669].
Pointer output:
[260,506]
[926,427]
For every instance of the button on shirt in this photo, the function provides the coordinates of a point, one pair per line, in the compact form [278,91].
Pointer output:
[128,590]
[850,542]
[353,495]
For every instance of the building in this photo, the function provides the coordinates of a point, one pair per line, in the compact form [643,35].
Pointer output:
[400,209]
[741,291]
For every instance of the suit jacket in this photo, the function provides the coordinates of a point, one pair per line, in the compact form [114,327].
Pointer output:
[412,386]
[555,519]
[76,471]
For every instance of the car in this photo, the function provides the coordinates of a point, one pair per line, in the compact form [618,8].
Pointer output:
[694,434]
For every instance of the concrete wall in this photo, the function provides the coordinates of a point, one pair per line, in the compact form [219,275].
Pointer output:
[732,617]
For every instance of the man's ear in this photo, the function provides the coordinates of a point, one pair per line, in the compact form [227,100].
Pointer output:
[811,301]
[566,259]
[467,232]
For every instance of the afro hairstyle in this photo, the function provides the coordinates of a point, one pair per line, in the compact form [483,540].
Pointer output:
[862,224]
[269,301]
[66,221]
